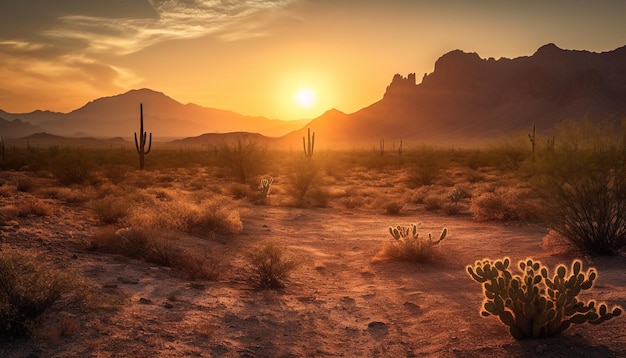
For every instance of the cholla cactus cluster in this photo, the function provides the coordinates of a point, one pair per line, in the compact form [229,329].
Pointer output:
[408,245]
[264,187]
[535,304]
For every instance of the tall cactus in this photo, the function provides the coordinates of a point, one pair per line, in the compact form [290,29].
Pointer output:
[2,148]
[535,305]
[532,139]
[308,145]
[141,143]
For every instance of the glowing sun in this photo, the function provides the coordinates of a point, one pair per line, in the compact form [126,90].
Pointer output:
[305,98]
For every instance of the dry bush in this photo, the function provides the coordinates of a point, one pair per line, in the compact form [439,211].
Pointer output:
[425,166]
[200,265]
[29,287]
[7,213]
[111,208]
[504,205]
[306,186]
[25,185]
[219,214]
[270,265]
[7,191]
[433,202]
[584,194]
[68,195]
[245,161]
[33,207]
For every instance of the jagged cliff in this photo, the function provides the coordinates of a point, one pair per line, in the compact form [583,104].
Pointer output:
[468,98]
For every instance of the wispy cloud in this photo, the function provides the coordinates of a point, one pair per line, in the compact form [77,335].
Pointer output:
[66,40]
[176,20]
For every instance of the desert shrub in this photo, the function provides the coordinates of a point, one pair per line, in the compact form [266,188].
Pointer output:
[25,185]
[28,288]
[33,207]
[218,214]
[393,207]
[407,245]
[535,304]
[270,265]
[305,181]
[132,241]
[424,167]
[199,265]
[433,202]
[505,205]
[164,250]
[584,196]
[72,166]
[244,161]
[111,208]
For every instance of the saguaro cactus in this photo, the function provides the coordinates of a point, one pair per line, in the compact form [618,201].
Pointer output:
[2,148]
[382,146]
[532,139]
[308,145]
[141,143]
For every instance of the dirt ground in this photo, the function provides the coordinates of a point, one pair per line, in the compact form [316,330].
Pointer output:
[339,302]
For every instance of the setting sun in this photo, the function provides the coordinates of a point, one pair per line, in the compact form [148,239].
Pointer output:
[305,98]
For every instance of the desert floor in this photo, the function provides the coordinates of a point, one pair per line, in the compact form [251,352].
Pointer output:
[341,301]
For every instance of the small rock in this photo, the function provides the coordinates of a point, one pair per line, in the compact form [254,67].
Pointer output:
[145,301]
[168,305]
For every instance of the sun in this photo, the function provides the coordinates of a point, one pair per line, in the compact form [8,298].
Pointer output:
[305,98]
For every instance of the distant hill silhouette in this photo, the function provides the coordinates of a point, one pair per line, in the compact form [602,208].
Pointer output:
[465,100]
[470,99]
[163,116]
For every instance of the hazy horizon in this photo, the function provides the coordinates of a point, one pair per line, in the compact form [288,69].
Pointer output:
[253,57]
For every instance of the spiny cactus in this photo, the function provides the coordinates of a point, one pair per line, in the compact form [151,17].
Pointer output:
[535,304]
[141,143]
[264,187]
[409,246]
[532,139]
[309,145]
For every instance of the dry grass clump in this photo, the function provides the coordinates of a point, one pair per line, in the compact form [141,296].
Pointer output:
[34,207]
[433,202]
[111,208]
[270,265]
[504,205]
[68,195]
[158,247]
[216,214]
[306,184]
[29,287]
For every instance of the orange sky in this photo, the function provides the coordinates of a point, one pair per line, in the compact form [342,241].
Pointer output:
[251,56]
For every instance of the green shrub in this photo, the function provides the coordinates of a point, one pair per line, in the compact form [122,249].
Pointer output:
[407,245]
[270,265]
[535,304]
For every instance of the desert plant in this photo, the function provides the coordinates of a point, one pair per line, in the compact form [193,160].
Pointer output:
[270,265]
[585,199]
[244,161]
[264,187]
[28,288]
[407,245]
[535,304]
[308,145]
[140,144]
[306,184]
[2,149]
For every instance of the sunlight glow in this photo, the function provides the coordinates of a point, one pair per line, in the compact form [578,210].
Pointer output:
[305,98]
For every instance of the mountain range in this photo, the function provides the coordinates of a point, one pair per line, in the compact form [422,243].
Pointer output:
[118,116]
[466,99]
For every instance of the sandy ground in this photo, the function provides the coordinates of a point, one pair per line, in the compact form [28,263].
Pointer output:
[339,302]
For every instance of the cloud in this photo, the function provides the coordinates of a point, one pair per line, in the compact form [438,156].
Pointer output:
[44,42]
